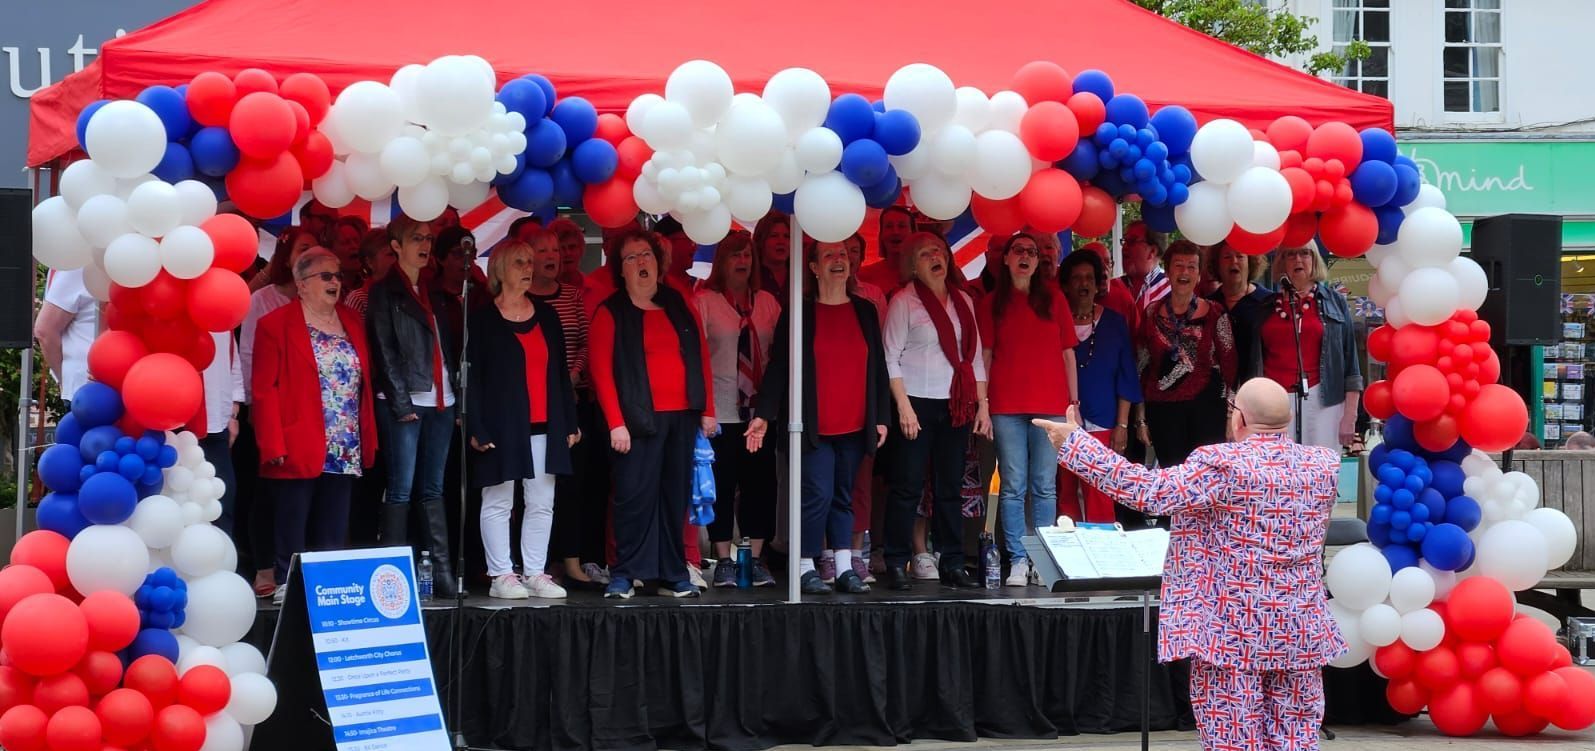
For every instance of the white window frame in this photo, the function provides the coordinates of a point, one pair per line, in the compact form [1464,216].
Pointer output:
[1499,115]
[1360,8]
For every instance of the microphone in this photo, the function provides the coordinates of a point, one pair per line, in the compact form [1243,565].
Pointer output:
[1284,283]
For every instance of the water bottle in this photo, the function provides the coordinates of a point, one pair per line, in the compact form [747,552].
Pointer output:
[423,576]
[993,561]
[744,563]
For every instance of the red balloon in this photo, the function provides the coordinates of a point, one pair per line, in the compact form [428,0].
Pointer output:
[1349,231]
[1475,658]
[1518,724]
[22,728]
[1051,201]
[1501,691]
[1049,130]
[131,298]
[1406,697]
[125,716]
[1563,659]
[997,218]
[235,239]
[16,688]
[18,581]
[74,729]
[314,155]
[177,728]
[1578,712]
[251,80]
[172,337]
[1436,435]
[1457,712]
[206,688]
[263,125]
[44,635]
[111,354]
[1089,111]
[163,391]
[610,203]
[1412,345]
[1420,392]
[266,189]
[45,551]
[612,128]
[118,318]
[1495,420]
[210,98]
[1289,158]
[1395,661]
[1338,141]
[162,298]
[1043,81]
[1301,188]
[218,300]
[1526,647]
[1289,133]
[1098,212]
[1489,369]
[100,671]
[1376,399]
[1379,341]
[153,676]
[56,692]
[301,123]
[1481,608]
[1254,244]
[1437,669]
[1545,695]
[1299,230]
[310,92]
[634,153]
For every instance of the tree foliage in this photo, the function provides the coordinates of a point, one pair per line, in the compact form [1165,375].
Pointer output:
[1255,26]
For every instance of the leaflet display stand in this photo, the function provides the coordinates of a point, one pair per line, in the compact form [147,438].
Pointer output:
[1085,553]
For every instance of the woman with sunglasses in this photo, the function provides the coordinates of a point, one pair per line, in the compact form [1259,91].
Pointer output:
[1106,377]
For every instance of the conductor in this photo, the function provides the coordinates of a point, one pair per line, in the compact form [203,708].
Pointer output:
[1242,593]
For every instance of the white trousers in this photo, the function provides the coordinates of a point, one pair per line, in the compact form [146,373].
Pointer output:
[497,502]
[1322,424]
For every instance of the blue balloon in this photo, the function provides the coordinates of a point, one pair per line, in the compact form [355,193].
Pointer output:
[163,599]
[130,467]
[1132,153]
[151,479]
[879,105]
[520,167]
[594,161]
[96,404]
[213,151]
[1378,457]
[1415,483]
[1160,218]
[545,143]
[1178,194]
[549,95]
[1112,183]
[1448,477]
[107,498]
[1158,152]
[534,189]
[1458,451]
[59,466]
[176,165]
[576,117]
[124,445]
[1391,475]
[1400,519]
[216,184]
[1434,501]
[96,441]
[1373,183]
[1382,493]
[1463,512]
[567,187]
[1379,534]
[1390,219]
[1417,530]
[68,430]
[864,162]
[885,193]
[1402,499]
[1408,181]
[58,512]
[1106,160]
[1082,162]
[525,96]
[105,462]
[783,202]
[1176,127]
[1144,170]
[1400,556]
[1127,132]
[154,641]
[1397,537]
[1407,160]
[851,117]
[1119,149]
[1419,513]
[1378,145]
[164,576]
[1398,433]
[87,472]
[1096,82]
[1105,134]
[1380,514]
[1447,547]
[168,457]
[897,131]
[148,448]
[83,121]
[170,107]
[1184,174]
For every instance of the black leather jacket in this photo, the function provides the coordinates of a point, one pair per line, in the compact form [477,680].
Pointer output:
[402,344]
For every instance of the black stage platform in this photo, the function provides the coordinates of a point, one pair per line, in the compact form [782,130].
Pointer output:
[740,669]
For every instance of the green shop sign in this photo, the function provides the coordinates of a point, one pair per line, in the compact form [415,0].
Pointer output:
[1487,177]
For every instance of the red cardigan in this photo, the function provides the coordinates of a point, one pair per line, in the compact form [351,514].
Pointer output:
[287,411]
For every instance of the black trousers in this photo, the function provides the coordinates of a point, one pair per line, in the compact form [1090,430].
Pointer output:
[653,486]
[220,455]
[744,486]
[252,504]
[938,449]
[581,500]
[1178,428]
[311,515]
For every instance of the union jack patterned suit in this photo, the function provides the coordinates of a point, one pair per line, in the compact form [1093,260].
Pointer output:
[1242,592]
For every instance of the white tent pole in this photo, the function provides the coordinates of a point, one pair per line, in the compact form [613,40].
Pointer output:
[1117,251]
[794,408]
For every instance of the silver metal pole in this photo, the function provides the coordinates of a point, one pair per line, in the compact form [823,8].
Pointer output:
[794,408]
[1116,252]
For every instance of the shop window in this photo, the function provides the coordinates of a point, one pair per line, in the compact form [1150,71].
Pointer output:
[1471,56]
[1369,21]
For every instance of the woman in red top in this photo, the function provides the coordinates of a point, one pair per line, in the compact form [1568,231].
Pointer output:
[1029,349]
[1329,361]
[843,359]
[650,367]
[517,356]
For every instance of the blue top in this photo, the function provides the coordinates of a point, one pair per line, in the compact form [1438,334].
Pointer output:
[1105,366]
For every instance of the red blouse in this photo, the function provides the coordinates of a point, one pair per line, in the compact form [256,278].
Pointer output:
[1028,374]
[841,361]
[1179,358]
[667,374]
[1279,343]
[535,351]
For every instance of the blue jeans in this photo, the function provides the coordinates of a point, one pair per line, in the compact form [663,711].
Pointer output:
[416,452]
[828,471]
[1028,465]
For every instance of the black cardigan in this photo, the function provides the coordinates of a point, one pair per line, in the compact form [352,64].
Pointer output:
[631,364]
[773,391]
[500,413]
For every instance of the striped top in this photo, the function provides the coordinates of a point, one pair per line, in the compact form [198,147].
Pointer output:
[567,302]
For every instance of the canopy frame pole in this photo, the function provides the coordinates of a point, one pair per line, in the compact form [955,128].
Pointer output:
[1116,253]
[794,407]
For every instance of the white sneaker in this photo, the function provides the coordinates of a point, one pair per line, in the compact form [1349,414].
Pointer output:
[696,576]
[1019,574]
[279,594]
[543,587]
[507,587]
[924,567]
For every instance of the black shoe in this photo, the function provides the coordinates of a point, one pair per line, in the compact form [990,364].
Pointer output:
[812,584]
[848,583]
[896,579]
[958,578]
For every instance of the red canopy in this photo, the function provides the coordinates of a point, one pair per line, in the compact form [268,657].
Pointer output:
[610,51]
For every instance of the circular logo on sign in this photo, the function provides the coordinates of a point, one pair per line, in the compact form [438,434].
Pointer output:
[390,592]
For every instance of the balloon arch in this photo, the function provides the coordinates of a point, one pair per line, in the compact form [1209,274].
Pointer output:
[102,646]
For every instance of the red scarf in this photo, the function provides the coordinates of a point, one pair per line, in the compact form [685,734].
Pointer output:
[962,399]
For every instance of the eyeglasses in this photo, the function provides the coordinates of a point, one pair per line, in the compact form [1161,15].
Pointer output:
[325,276]
[1028,251]
[634,257]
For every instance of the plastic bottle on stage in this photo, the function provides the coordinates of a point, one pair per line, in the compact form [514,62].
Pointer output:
[993,561]
[423,577]
[744,563]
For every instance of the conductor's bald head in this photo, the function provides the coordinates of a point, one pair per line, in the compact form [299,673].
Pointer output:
[1264,407]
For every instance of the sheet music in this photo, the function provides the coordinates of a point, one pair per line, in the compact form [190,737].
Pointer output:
[1152,545]
[1113,555]
[1086,553]
[1068,553]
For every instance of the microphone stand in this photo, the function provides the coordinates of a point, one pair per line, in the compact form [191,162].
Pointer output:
[456,637]
[1301,368]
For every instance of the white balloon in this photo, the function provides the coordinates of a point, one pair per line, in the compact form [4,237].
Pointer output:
[426,201]
[637,111]
[1560,535]
[819,150]
[940,196]
[1444,581]
[1380,625]
[82,180]
[751,138]
[1411,589]
[800,96]
[453,96]
[648,198]
[973,110]
[403,85]
[196,202]
[1392,271]
[925,91]
[364,175]
[787,175]
[199,551]
[367,115]
[1472,285]
[132,260]
[1002,165]
[1430,237]
[1422,629]
[103,218]
[187,252]
[1007,109]
[125,186]
[748,198]
[243,657]
[332,188]
[1514,553]
[1429,296]
[915,164]
[405,162]
[1349,622]
[952,150]
[667,126]
[125,138]
[468,196]
[97,283]
[153,208]
[1265,155]
[1259,200]
[107,557]
[1204,217]
[221,609]
[1221,151]
[253,698]
[57,243]
[829,207]
[1377,291]
[707,227]
[193,514]
[200,654]
[1358,576]
[1428,197]
[1394,315]
[703,88]
[222,733]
